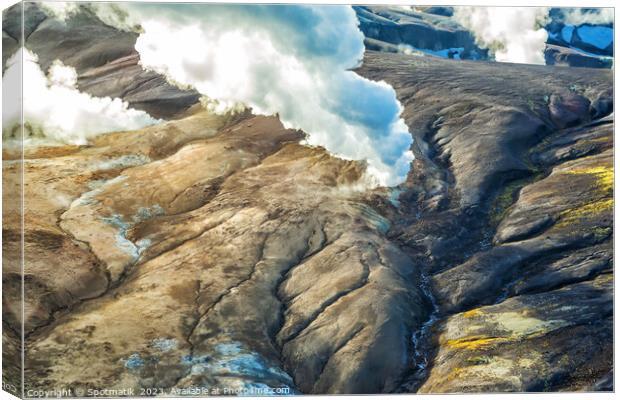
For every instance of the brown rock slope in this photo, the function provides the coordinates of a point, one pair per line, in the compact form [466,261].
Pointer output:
[512,192]
[205,252]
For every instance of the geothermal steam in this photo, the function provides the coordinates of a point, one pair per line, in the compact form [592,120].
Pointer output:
[513,34]
[517,34]
[55,110]
[289,60]
[596,16]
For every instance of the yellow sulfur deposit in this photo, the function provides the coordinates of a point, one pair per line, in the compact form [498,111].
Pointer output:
[604,175]
[474,342]
[473,313]
[604,181]
[573,214]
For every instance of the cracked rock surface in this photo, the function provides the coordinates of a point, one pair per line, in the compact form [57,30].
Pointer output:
[238,258]
[511,217]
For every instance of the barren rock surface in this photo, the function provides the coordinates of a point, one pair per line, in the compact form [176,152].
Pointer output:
[512,191]
[566,56]
[226,261]
[387,27]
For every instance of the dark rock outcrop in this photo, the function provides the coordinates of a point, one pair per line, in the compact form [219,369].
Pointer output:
[565,56]
[390,26]
[512,192]
[585,45]
[433,30]
[596,39]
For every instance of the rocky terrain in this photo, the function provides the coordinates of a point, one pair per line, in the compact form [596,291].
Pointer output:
[511,215]
[585,45]
[432,30]
[217,251]
[429,30]
[566,56]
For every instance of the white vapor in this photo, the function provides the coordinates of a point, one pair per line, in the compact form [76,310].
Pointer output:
[109,13]
[512,34]
[594,16]
[60,9]
[55,110]
[291,60]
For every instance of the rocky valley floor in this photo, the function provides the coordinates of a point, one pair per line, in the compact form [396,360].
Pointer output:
[218,251]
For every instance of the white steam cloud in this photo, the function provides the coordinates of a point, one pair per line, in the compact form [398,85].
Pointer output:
[110,13]
[594,16]
[512,34]
[289,60]
[60,9]
[55,110]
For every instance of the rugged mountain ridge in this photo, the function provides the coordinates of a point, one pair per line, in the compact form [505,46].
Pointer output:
[433,30]
[216,251]
[385,28]
[512,192]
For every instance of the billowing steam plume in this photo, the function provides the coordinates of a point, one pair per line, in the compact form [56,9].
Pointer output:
[110,13]
[513,34]
[289,60]
[54,110]
[595,16]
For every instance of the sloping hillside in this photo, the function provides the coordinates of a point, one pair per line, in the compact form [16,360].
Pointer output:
[510,205]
